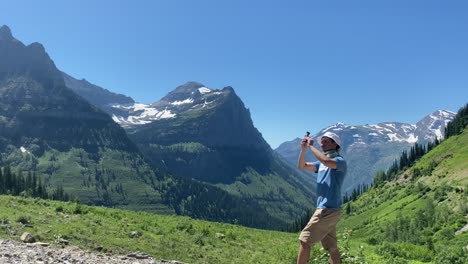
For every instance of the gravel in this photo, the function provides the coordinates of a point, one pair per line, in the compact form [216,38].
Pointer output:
[14,252]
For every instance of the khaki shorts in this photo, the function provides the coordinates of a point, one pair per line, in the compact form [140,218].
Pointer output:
[322,227]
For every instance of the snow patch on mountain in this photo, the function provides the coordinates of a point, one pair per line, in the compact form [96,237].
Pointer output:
[24,150]
[204,90]
[395,137]
[186,101]
[412,138]
[140,114]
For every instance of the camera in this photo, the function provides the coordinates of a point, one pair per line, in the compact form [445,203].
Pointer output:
[306,137]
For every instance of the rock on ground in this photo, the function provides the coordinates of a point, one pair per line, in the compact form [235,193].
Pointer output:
[14,252]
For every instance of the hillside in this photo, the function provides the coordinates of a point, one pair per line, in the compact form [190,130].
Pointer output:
[421,215]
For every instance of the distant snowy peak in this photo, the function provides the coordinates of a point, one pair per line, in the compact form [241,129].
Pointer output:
[191,95]
[429,128]
[382,132]
[434,124]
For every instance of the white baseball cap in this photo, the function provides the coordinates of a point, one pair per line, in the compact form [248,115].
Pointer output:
[333,136]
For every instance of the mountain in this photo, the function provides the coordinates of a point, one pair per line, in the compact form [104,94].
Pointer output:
[45,127]
[207,135]
[369,148]
[76,147]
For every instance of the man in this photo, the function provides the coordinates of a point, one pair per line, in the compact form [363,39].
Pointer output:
[331,168]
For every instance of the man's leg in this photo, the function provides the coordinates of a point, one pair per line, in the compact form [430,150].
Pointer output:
[329,243]
[310,235]
[334,256]
[304,253]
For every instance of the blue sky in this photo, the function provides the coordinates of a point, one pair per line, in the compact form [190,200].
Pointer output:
[297,65]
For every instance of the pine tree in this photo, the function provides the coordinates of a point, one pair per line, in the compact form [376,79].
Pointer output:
[458,124]
[348,209]
[404,160]
[8,179]
[2,182]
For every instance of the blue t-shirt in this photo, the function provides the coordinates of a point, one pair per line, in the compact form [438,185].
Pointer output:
[329,183]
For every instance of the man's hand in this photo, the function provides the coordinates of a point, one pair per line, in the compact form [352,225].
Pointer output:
[301,163]
[306,141]
[304,144]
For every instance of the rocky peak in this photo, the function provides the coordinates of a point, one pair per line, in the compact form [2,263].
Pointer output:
[228,89]
[188,91]
[7,41]
[433,125]
[5,33]
[31,60]
[37,48]
[188,87]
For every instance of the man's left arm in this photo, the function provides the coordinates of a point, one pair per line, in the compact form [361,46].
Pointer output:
[330,163]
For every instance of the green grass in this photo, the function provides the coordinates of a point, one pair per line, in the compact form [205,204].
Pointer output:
[161,236]
[164,237]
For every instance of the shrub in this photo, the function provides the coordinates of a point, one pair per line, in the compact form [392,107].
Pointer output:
[184,225]
[406,251]
[452,256]
[372,241]
[445,233]
[78,209]
[24,219]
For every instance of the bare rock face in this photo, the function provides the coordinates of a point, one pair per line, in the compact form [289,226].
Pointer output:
[16,252]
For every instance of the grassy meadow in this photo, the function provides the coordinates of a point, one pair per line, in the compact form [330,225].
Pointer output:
[164,237]
[416,218]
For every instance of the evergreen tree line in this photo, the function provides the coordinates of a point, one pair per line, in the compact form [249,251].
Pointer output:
[206,202]
[406,160]
[300,222]
[459,123]
[360,189]
[28,185]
